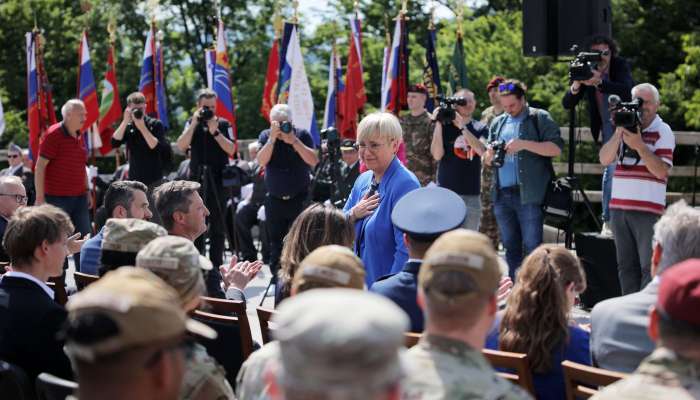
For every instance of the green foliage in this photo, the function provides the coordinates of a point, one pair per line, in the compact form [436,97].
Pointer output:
[680,90]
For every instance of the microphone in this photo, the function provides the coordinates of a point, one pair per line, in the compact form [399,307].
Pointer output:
[614,100]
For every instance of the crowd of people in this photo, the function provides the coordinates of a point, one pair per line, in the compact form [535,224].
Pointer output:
[414,249]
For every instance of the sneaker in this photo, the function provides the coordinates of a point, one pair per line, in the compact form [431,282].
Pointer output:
[606,231]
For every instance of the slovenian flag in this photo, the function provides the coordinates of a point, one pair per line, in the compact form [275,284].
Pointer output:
[225,108]
[147,82]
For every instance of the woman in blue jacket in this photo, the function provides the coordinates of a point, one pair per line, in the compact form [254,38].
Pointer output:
[377,241]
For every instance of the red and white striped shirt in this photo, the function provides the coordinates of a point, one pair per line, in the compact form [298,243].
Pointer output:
[633,186]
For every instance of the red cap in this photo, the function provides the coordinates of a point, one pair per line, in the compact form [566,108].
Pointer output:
[418,88]
[679,292]
[494,82]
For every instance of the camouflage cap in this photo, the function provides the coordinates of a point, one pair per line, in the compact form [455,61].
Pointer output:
[463,251]
[338,340]
[127,308]
[331,266]
[177,261]
[129,235]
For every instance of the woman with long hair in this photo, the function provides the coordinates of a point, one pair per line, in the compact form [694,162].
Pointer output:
[318,225]
[536,320]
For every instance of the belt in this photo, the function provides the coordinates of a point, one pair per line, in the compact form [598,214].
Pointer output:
[514,189]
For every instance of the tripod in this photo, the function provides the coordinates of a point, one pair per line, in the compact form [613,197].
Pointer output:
[206,179]
[574,182]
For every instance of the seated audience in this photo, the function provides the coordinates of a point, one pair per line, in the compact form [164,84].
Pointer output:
[619,339]
[457,291]
[122,239]
[326,267]
[672,371]
[37,240]
[316,226]
[12,196]
[422,215]
[536,319]
[123,199]
[127,337]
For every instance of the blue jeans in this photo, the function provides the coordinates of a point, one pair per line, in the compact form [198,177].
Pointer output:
[77,209]
[520,226]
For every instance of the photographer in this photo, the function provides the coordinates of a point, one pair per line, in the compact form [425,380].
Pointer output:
[611,75]
[209,139]
[522,142]
[638,187]
[287,154]
[457,149]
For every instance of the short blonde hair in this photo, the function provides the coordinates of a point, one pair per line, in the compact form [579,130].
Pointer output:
[379,124]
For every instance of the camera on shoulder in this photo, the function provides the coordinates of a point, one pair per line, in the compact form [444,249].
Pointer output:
[626,114]
[447,112]
[582,66]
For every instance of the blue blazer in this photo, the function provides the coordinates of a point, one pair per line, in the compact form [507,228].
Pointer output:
[377,241]
[402,289]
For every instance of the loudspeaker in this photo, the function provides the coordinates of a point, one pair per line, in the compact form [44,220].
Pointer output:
[598,257]
[551,27]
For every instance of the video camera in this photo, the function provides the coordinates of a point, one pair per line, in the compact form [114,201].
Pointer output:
[627,115]
[447,112]
[332,137]
[582,66]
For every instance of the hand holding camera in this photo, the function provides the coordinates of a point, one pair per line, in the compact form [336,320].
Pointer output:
[496,154]
[287,132]
[136,117]
[446,112]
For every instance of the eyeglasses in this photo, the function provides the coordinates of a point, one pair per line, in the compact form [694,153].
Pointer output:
[18,197]
[13,156]
[372,146]
[507,87]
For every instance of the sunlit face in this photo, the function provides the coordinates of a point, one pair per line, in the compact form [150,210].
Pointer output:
[606,54]
[494,97]
[9,193]
[468,109]
[649,108]
[139,207]
[416,101]
[350,156]
[55,256]
[196,216]
[14,158]
[512,104]
[377,152]
[76,118]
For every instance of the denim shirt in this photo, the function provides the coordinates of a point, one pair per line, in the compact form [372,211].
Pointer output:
[377,241]
[534,171]
[508,173]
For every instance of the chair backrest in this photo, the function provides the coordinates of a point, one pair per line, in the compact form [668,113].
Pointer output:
[14,383]
[236,310]
[411,339]
[517,362]
[264,316]
[582,381]
[83,279]
[59,287]
[49,387]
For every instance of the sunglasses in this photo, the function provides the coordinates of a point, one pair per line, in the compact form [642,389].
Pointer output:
[507,87]
[12,156]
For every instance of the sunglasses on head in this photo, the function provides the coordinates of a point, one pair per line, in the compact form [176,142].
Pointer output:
[507,87]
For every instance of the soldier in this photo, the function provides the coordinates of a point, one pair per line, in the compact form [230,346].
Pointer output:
[487,224]
[126,337]
[417,130]
[457,291]
[672,371]
[422,215]
[122,239]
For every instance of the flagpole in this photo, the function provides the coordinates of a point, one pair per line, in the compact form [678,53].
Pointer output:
[431,27]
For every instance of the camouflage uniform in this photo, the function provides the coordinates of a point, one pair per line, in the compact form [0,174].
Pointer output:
[488,225]
[204,378]
[662,375]
[443,368]
[250,382]
[417,135]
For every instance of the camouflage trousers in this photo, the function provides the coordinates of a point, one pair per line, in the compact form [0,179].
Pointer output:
[488,225]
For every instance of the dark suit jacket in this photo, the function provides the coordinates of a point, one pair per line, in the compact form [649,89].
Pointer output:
[402,289]
[3,254]
[350,174]
[29,322]
[619,82]
[619,339]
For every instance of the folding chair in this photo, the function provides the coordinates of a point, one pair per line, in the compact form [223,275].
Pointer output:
[264,316]
[583,381]
[516,362]
[83,279]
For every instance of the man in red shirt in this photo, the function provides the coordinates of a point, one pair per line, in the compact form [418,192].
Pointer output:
[60,176]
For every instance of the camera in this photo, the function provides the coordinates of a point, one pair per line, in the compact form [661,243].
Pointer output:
[582,66]
[205,114]
[286,127]
[137,113]
[499,153]
[331,136]
[627,115]
[447,111]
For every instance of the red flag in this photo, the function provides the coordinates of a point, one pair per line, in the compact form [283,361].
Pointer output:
[355,97]
[111,108]
[40,110]
[271,80]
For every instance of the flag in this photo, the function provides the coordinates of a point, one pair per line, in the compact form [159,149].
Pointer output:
[285,72]
[2,119]
[209,62]
[333,115]
[271,78]
[355,96]
[397,71]
[147,84]
[110,106]
[431,73]
[225,108]
[385,68]
[457,71]
[40,110]
[161,99]
[87,91]
[295,88]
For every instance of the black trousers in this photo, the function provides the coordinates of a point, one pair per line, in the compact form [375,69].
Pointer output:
[279,215]
[215,233]
[246,218]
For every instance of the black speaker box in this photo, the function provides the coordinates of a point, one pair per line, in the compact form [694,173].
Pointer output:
[597,254]
[552,27]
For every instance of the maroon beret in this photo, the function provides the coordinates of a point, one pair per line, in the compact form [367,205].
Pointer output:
[494,82]
[679,292]
[418,88]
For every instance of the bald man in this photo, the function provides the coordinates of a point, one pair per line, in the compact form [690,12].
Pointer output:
[12,196]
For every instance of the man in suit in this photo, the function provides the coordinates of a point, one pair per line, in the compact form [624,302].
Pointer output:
[12,196]
[14,159]
[619,339]
[423,215]
[37,240]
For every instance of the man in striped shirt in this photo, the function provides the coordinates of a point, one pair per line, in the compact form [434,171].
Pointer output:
[639,187]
